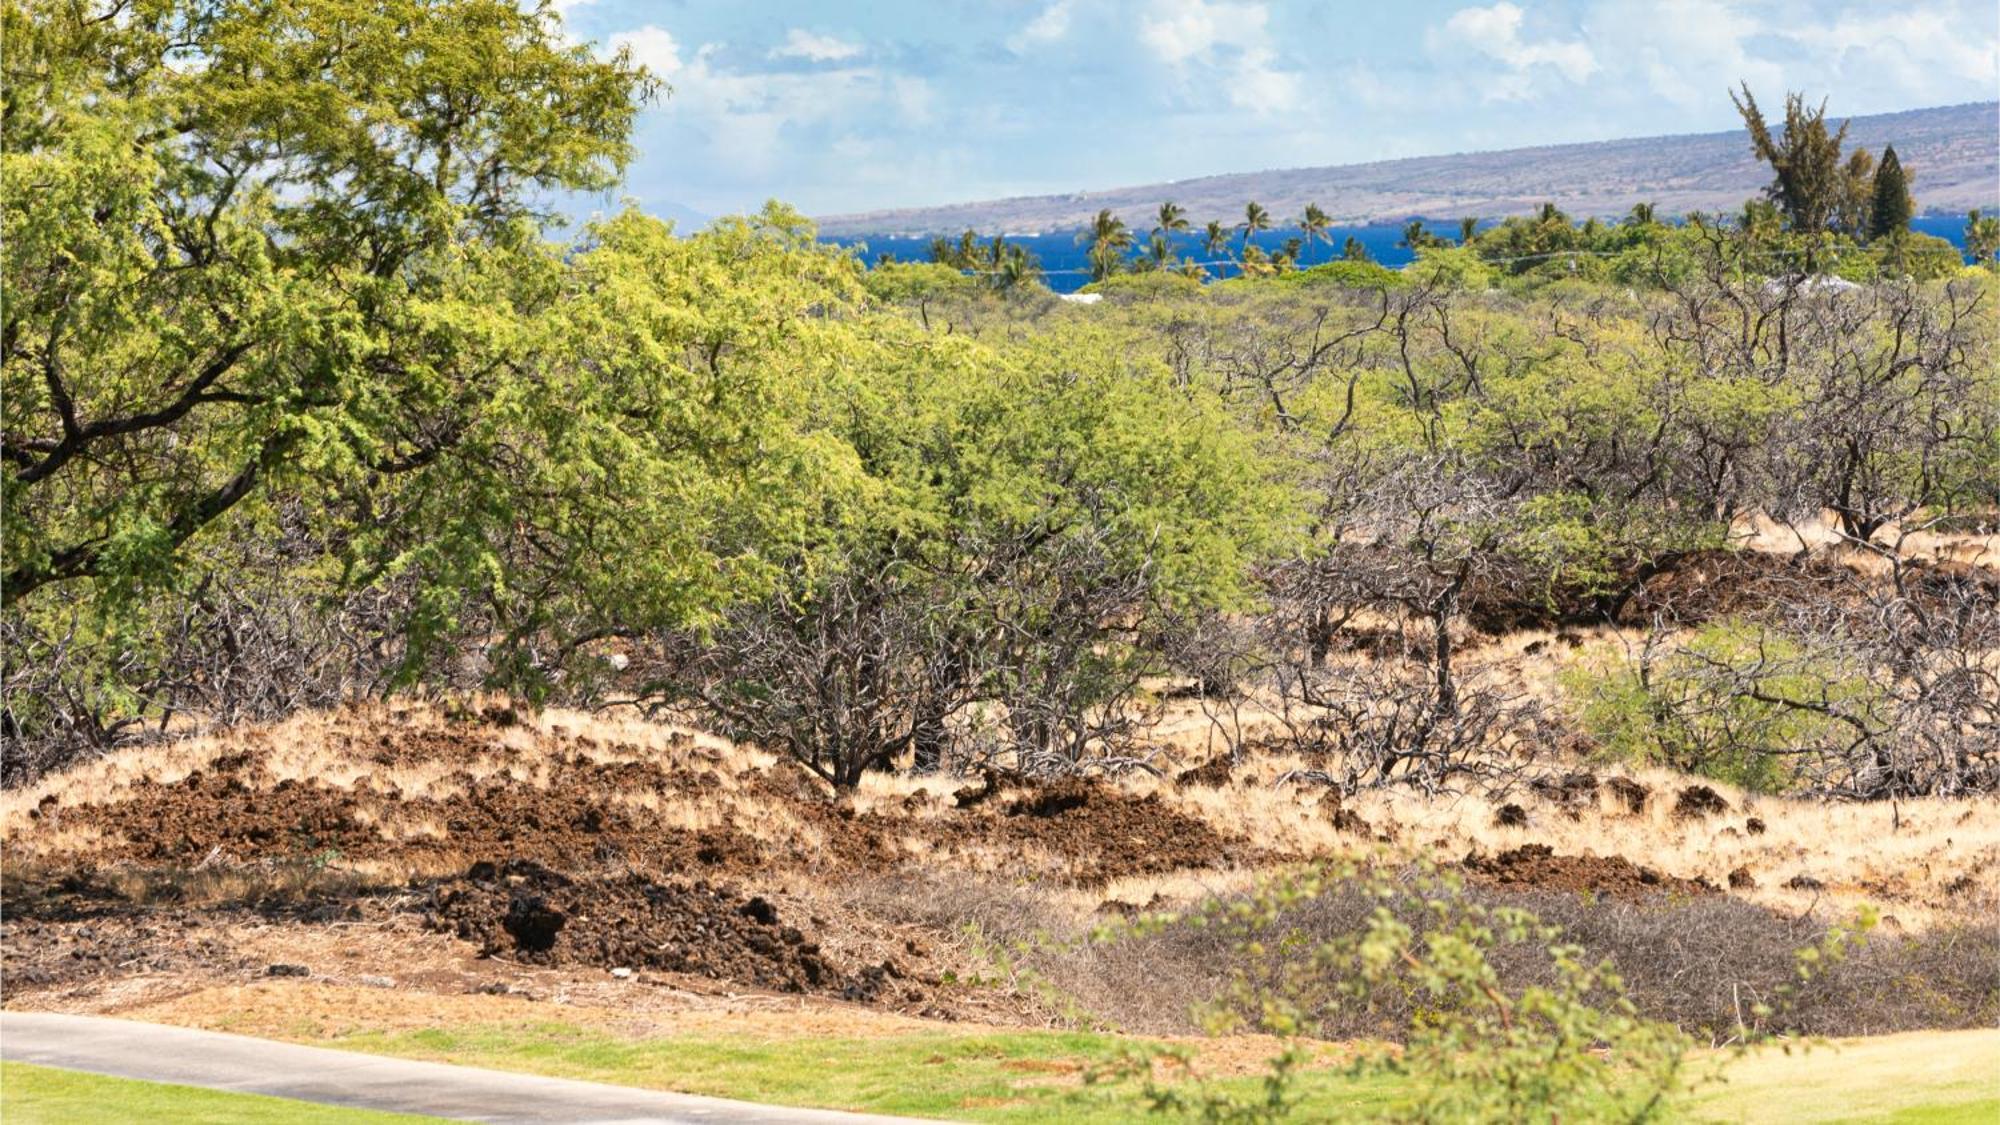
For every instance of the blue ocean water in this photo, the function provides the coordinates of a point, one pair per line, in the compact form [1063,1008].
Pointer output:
[1064,259]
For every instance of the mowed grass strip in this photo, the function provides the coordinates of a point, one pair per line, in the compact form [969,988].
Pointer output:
[40,1095]
[1919,1079]
[997,1076]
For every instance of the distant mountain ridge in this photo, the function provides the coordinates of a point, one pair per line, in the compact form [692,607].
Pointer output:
[1952,151]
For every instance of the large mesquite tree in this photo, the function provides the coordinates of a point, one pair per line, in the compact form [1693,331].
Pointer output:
[292,379]
[228,229]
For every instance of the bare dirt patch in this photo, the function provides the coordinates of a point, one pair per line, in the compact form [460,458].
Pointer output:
[527,912]
[1537,867]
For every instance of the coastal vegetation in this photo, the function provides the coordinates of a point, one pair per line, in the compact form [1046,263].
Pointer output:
[312,403]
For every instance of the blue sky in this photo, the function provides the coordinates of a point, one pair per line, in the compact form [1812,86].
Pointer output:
[853,106]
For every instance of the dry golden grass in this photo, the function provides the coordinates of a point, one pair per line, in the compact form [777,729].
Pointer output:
[1918,859]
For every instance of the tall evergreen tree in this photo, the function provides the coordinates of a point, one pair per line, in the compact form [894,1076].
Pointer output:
[1805,156]
[1889,214]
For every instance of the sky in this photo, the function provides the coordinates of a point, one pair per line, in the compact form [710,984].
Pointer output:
[839,107]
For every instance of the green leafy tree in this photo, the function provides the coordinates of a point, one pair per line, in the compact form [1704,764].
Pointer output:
[239,242]
[1856,195]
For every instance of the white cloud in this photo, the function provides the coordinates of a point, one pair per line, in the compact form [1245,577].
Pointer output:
[1050,24]
[1180,30]
[1226,45]
[1868,57]
[802,44]
[743,114]
[1921,50]
[1259,85]
[652,47]
[1496,33]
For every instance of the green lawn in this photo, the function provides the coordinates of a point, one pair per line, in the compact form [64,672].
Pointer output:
[1923,1078]
[34,1095]
[1004,1077]
[1030,1076]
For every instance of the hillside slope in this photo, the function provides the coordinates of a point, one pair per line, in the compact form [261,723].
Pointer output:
[1954,152]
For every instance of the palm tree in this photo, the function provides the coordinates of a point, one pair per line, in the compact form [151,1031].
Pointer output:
[1158,250]
[1316,225]
[1214,238]
[1416,237]
[1467,228]
[1641,215]
[1016,267]
[1982,237]
[1287,257]
[1255,218]
[1172,219]
[1353,251]
[1108,237]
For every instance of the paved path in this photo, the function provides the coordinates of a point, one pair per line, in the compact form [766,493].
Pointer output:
[159,1053]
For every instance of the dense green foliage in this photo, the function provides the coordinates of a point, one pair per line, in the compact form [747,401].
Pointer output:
[302,401]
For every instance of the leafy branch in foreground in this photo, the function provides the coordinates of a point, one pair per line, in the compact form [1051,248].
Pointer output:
[1570,1047]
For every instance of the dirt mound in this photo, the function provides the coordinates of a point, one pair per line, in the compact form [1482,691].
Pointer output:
[574,818]
[1570,790]
[1631,795]
[1092,832]
[1214,773]
[1537,866]
[527,912]
[1698,801]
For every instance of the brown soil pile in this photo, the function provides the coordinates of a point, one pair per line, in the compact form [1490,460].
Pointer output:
[529,913]
[1094,833]
[1214,773]
[226,810]
[568,811]
[1536,866]
[1698,801]
[1701,586]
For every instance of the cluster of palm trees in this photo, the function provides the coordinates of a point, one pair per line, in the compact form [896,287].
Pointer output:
[1001,264]
[1114,246]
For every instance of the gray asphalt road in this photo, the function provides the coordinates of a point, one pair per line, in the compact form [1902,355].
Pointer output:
[158,1053]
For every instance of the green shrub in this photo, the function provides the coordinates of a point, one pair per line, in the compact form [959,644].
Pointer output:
[1344,275]
[899,283]
[1452,267]
[1571,1046]
[1150,285]
[1737,701]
